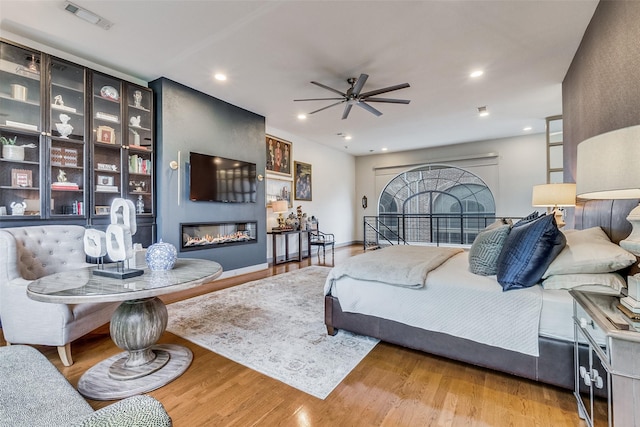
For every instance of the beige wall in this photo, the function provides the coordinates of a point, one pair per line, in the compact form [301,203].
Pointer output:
[520,163]
[333,187]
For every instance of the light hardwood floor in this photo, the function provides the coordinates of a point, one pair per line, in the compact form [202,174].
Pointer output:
[392,386]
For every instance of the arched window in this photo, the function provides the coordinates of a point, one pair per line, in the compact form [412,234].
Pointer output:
[442,199]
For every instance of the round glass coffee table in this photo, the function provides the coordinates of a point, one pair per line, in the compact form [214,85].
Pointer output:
[136,325]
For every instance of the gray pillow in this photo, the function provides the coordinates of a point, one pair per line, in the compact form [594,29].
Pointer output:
[486,247]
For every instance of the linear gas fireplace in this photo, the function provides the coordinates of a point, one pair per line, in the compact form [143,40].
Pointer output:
[217,234]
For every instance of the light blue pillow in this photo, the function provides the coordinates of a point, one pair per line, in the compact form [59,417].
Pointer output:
[529,249]
[486,248]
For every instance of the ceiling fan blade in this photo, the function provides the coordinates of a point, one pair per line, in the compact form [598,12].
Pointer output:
[384,90]
[389,100]
[329,88]
[328,106]
[359,84]
[319,99]
[369,108]
[347,110]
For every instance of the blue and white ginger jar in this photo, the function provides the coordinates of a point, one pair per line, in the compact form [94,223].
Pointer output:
[161,256]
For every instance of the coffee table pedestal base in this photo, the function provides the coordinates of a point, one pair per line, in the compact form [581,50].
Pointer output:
[97,384]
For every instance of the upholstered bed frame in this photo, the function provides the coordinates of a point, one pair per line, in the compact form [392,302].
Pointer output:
[553,366]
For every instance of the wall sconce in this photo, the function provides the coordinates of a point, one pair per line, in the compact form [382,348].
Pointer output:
[364,202]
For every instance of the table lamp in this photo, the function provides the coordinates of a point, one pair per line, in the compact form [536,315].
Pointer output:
[554,196]
[280,207]
[607,168]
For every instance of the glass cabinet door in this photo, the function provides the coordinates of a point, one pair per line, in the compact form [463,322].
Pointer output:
[140,148]
[20,132]
[107,142]
[67,142]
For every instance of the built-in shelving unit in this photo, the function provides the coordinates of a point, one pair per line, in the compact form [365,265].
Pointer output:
[79,138]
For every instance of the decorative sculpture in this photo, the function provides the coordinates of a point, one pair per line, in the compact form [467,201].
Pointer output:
[117,241]
[64,128]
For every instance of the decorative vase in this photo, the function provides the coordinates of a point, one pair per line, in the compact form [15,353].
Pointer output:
[13,152]
[161,256]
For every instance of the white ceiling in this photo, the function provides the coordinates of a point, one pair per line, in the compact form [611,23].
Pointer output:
[271,50]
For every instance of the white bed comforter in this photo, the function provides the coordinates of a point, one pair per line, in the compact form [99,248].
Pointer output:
[453,301]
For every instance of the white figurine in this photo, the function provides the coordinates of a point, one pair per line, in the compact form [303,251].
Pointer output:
[137,98]
[18,208]
[135,121]
[64,128]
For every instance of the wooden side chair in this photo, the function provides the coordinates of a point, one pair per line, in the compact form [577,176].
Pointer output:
[322,240]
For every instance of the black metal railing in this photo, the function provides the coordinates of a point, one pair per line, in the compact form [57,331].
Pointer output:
[437,229]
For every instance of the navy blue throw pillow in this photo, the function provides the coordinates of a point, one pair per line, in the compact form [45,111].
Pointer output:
[528,251]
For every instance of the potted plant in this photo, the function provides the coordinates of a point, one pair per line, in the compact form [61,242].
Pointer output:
[11,151]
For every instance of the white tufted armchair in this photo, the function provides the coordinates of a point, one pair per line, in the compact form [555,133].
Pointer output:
[26,254]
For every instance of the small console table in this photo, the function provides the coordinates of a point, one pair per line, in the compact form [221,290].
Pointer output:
[136,325]
[287,255]
[614,342]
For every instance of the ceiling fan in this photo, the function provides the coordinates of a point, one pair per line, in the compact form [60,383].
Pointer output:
[354,96]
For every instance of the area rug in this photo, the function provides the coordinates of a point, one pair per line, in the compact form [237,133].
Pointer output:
[276,327]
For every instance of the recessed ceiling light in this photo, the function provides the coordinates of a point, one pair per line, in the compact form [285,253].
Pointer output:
[476,73]
[482,111]
[302,116]
[384,148]
[347,137]
[527,129]
[220,77]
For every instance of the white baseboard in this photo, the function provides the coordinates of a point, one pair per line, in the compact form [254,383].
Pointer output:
[244,270]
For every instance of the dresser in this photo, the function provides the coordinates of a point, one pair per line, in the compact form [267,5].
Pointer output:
[612,365]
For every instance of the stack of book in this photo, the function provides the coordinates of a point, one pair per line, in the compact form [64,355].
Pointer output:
[106,188]
[65,186]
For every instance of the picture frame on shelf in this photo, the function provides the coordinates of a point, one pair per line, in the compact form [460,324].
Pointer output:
[104,180]
[21,178]
[279,156]
[103,210]
[302,181]
[106,135]
[278,189]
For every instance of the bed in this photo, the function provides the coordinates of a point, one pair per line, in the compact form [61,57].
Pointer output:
[525,331]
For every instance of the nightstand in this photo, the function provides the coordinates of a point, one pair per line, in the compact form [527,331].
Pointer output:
[612,362]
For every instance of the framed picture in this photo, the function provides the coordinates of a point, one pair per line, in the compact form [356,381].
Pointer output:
[106,134]
[278,189]
[103,210]
[21,178]
[302,181]
[279,155]
[105,180]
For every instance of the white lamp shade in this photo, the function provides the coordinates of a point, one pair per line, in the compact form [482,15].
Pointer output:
[280,206]
[608,165]
[554,195]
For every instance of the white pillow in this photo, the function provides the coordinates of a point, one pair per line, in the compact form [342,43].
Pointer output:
[589,251]
[599,282]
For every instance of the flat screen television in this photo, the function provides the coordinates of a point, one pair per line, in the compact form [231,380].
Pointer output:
[218,179]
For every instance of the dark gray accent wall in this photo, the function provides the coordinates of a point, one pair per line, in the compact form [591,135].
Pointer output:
[601,90]
[188,120]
